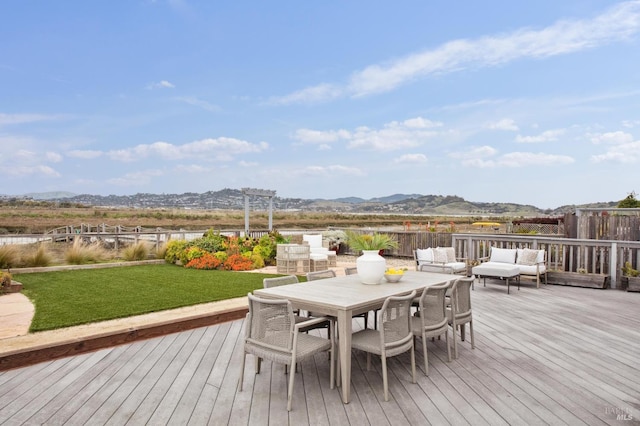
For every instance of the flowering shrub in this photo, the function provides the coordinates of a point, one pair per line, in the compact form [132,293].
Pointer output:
[214,251]
[194,253]
[238,262]
[206,261]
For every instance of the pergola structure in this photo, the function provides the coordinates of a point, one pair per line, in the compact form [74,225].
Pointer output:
[260,193]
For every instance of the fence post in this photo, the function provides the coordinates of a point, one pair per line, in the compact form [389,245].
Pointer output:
[613,264]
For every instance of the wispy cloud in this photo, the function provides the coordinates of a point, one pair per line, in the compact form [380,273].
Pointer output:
[394,135]
[24,171]
[546,136]
[626,153]
[563,37]
[504,124]
[411,158]
[221,149]
[9,119]
[192,100]
[612,138]
[487,157]
[164,84]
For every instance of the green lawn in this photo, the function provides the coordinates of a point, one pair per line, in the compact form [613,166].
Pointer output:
[67,298]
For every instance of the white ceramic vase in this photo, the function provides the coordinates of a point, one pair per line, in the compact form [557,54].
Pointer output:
[371,267]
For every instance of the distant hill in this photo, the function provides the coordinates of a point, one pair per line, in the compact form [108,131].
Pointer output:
[50,195]
[393,204]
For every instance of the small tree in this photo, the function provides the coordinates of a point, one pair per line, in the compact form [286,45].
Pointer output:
[629,202]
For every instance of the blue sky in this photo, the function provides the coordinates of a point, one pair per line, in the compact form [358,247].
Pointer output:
[496,101]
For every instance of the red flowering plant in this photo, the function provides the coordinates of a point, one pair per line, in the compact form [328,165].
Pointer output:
[206,261]
[238,262]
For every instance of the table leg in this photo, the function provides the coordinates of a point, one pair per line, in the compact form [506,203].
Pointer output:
[344,336]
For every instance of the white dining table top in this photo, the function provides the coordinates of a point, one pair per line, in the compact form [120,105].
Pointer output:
[348,293]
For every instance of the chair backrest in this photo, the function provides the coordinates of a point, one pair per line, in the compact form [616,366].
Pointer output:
[395,321]
[274,282]
[352,270]
[313,240]
[432,305]
[270,323]
[461,296]
[320,275]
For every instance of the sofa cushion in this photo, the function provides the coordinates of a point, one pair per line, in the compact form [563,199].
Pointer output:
[503,255]
[440,255]
[456,266]
[527,257]
[532,269]
[424,255]
[314,240]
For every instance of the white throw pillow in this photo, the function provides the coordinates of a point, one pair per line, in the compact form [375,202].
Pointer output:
[503,255]
[424,255]
[440,255]
[450,253]
[527,257]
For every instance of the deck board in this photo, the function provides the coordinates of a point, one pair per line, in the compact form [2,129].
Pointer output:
[554,355]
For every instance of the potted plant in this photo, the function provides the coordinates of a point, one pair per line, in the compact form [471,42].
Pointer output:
[371,266]
[630,277]
[360,242]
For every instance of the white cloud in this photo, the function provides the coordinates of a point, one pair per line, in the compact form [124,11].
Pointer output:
[411,158]
[475,153]
[22,171]
[309,136]
[630,123]
[394,135]
[54,157]
[504,124]
[223,149]
[612,138]
[546,136]
[626,153]
[523,159]
[485,157]
[565,36]
[310,95]
[421,123]
[164,84]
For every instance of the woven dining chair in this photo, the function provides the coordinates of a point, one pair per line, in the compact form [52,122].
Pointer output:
[272,334]
[394,336]
[432,320]
[459,311]
[292,279]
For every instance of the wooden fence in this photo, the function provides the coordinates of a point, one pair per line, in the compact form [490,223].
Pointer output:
[587,256]
[592,257]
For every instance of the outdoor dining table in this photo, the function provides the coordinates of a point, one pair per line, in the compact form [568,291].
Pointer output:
[345,296]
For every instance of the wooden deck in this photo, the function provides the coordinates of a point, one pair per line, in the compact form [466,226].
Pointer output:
[557,355]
